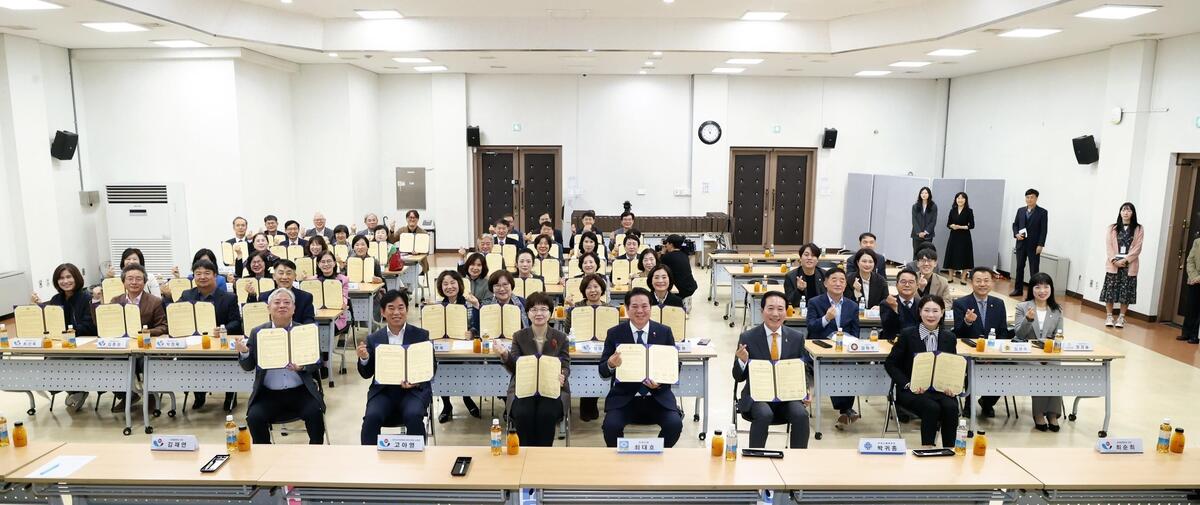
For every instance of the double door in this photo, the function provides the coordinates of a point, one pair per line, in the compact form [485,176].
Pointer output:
[1185,229]
[523,181]
[770,196]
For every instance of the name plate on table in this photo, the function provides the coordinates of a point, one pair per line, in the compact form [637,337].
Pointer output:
[639,445]
[1119,446]
[590,346]
[170,343]
[112,343]
[881,446]
[871,314]
[26,343]
[352,285]
[861,346]
[1069,346]
[441,346]
[1015,347]
[407,443]
[173,443]
[949,316]
[683,346]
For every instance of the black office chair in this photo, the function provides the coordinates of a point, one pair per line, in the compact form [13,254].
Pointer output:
[746,416]
[893,414]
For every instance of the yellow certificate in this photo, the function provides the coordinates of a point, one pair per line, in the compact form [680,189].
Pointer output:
[56,320]
[271,348]
[206,317]
[305,343]
[254,314]
[663,364]
[433,319]
[181,319]
[537,376]
[633,363]
[673,317]
[390,363]
[110,288]
[583,323]
[110,321]
[29,321]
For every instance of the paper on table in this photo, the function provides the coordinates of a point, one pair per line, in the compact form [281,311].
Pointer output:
[633,363]
[305,341]
[60,466]
[82,341]
[389,364]
[193,340]
[461,345]
[791,383]
[950,373]
[254,314]
[271,347]
[181,319]
[663,364]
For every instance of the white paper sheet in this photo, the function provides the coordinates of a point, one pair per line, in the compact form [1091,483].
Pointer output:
[61,466]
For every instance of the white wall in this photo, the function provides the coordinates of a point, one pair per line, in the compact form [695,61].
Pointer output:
[266,148]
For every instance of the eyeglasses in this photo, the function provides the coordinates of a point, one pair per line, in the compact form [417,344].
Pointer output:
[906,281]
[539,310]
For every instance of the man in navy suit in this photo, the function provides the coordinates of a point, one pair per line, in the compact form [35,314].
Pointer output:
[976,315]
[1029,228]
[387,405]
[771,341]
[292,230]
[900,311]
[645,402]
[828,313]
[285,277]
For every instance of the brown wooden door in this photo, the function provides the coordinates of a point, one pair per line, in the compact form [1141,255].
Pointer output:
[789,199]
[523,181]
[1185,228]
[539,187]
[748,182]
[497,180]
[770,197]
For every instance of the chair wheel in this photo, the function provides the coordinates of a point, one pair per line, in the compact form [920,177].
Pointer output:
[1071,417]
[1103,434]
[157,413]
[171,413]
[703,436]
[330,383]
[817,435]
[127,431]
[731,324]
[725,317]
[696,418]
[149,430]
[31,411]
[716,304]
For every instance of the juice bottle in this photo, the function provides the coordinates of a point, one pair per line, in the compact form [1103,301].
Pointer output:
[69,337]
[747,267]
[1177,441]
[205,341]
[783,268]
[496,435]
[980,444]
[231,435]
[980,344]
[476,345]
[3,431]
[960,439]
[560,312]
[837,340]
[46,342]
[758,287]
[874,335]
[621,309]
[731,445]
[20,437]
[1164,437]
[224,334]
[791,311]
[718,444]
[514,442]
[3,336]
[243,439]
[764,283]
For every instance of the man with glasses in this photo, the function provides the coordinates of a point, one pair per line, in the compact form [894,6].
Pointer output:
[899,311]
[928,281]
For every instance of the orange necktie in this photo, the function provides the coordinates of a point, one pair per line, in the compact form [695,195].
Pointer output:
[774,346]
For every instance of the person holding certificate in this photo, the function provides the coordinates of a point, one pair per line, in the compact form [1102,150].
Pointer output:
[500,284]
[475,277]
[316,246]
[271,229]
[76,302]
[397,394]
[1039,317]
[633,240]
[260,245]
[134,256]
[204,274]
[543,243]
[240,226]
[283,393]
[538,398]
[154,316]
[938,410]
[361,249]
[775,344]
[370,221]
[592,288]
[589,264]
[292,230]
[525,260]
[661,283]
[587,224]
[285,277]
[646,401]
[588,243]
[450,288]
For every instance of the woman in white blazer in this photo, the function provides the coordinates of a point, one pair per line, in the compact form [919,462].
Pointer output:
[1038,318]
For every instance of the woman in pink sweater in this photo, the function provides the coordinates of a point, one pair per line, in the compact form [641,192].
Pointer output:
[1121,267]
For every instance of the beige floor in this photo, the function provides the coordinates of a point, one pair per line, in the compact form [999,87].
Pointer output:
[1147,387]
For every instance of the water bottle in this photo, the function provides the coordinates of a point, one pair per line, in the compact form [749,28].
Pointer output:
[731,444]
[3,336]
[960,438]
[803,307]
[874,335]
[497,436]
[837,340]
[571,341]
[991,340]
[231,435]
[224,337]
[1164,436]
[862,307]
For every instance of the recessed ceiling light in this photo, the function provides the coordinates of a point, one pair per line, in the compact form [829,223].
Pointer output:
[1117,11]
[181,43]
[1030,33]
[116,27]
[642,72]
[411,60]
[872,73]
[728,70]
[950,52]
[743,61]
[378,13]
[591,50]
[649,63]
[333,55]
[763,15]
[28,5]
[430,68]
[912,64]
[656,53]
[668,1]
[286,1]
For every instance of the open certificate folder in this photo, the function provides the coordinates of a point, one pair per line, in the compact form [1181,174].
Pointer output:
[538,376]
[659,363]
[326,294]
[33,321]
[943,372]
[592,323]
[673,317]
[498,321]
[780,381]
[185,319]
[445,320]
[276,347]
[395,364]
[116,321]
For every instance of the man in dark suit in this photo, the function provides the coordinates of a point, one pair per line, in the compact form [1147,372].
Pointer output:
[271,230]
[388,405]
[319,228]
[646,402]
[866,240]
[292,230]
[1029,228]
[771,341]
[240,236]
[502,235]
[285,277]
[976,315]
[900,311]
[204,274]
[827,314]
[285,393]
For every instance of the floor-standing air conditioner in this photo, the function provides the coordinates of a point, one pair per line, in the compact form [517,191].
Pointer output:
[150,217]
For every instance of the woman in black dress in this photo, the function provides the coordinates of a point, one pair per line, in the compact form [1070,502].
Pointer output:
[960,254]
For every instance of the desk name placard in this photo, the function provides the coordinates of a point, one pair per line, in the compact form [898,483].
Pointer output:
[683,346]
[881,446]
[639,445]
[406,443]
[26,343]
[1076,346]
[170,343]
[862,346]
[174,443]
[112,343]
[441,346]
[1016,347]
[1119,446]
[590,346]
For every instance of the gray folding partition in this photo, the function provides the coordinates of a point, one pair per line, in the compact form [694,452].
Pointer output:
[987,202]
[891,214]
[857,209]
[943,194]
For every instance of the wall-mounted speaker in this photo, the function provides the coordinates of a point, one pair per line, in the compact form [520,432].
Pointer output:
[1085,150]
[829,139]
[473,136]
[64,145]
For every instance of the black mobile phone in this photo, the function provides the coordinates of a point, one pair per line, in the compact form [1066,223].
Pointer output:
[762,453]
[928,453]
[461,465]
[822,343]
[1037,343]
[969,342]
[703,341]
[214,463]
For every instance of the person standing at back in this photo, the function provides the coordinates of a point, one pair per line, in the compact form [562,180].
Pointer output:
[681,269]
[960,253]
[1029,228]
[1121,268]
[924,219]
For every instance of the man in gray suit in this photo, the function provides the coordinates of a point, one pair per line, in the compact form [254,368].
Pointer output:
[772,341]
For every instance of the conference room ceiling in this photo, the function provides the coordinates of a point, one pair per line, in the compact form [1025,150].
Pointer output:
[815,38]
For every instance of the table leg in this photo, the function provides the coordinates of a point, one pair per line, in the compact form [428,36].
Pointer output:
[145,401]
[1107,396]
[706,403]
[712,284]
[129,395]
[817,398]
[971,371]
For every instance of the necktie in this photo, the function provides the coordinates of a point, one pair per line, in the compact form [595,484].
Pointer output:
[983,312]
[774,346]
[908,305]
[639,338]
